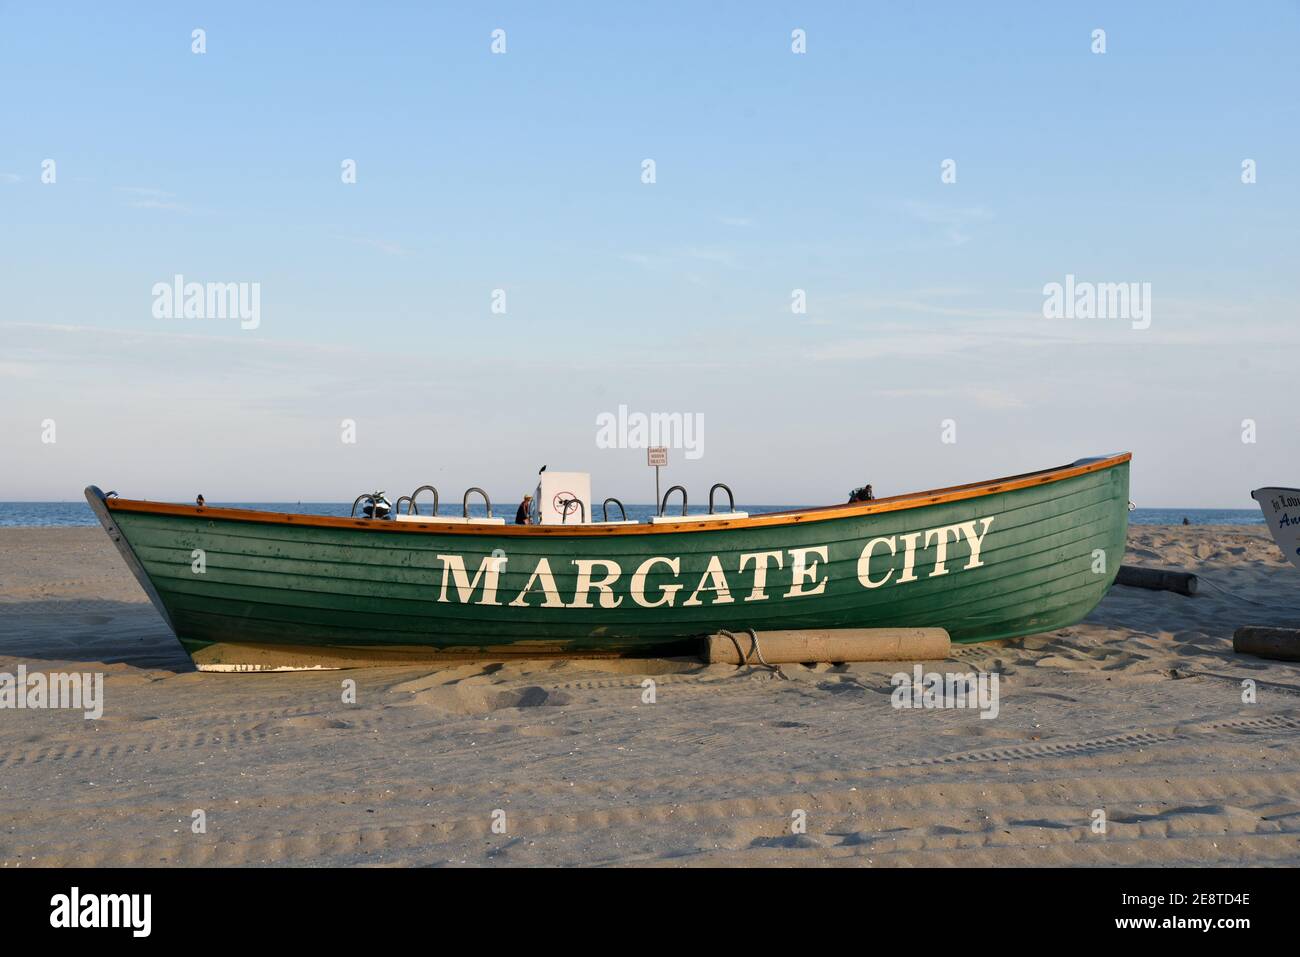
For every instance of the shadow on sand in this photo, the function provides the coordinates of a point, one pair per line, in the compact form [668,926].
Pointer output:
[89,630]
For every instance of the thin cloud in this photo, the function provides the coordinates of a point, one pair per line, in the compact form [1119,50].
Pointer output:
[385,246]
[886,304]
[682,257]
[712,254]
[899,344]
[954,220]
[987,398]
[145,191]
[150,198]
[158,204]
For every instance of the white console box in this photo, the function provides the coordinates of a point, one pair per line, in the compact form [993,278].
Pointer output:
[554,487]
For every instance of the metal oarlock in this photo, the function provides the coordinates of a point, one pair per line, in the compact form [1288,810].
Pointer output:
[664,504]
[464,502]
[414,509]
[731,499]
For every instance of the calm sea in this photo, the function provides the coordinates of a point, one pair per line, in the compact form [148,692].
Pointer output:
[78,513]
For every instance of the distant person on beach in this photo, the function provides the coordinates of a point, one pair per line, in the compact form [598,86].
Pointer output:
[521,514]
[863,494]
[1185,521]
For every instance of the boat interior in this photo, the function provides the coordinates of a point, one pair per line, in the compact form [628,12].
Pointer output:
[564,498]
[561,498]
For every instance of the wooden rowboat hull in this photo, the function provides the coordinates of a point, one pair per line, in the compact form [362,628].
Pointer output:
[246,589]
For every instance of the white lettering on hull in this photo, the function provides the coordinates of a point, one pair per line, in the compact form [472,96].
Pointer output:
[604,585]
[550,591]
[760,560]
[713,580]
[489,570]
[668,593]
[938,536]
[806,572]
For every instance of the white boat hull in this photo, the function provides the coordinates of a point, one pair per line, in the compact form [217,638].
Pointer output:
[1281,508]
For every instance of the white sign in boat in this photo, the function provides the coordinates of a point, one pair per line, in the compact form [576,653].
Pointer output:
[1281,508]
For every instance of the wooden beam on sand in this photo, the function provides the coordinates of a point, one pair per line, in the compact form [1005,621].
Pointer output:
[1279,644]
[829,644]
[1157,579]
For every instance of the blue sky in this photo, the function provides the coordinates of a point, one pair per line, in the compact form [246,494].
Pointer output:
[522,172]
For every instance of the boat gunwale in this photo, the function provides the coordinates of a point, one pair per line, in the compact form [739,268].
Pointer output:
[1271,488]
[822,513]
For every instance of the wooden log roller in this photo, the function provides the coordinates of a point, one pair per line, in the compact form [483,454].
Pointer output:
[828,644]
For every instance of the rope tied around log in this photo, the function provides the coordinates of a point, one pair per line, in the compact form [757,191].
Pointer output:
[755,650]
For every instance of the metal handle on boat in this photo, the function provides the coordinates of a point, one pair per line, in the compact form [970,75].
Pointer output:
[360,499]
[731,499]
[397,506]
[414,509]
[664,504]
[604,508]
[464,502]
[564,509]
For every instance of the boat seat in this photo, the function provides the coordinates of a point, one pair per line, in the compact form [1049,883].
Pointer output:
[450,519]
[669,519]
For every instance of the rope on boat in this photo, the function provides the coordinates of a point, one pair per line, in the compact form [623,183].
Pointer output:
[755,650]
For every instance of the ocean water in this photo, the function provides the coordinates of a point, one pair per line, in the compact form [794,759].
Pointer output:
[79,513]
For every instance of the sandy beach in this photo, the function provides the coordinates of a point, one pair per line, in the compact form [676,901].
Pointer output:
[1136,712]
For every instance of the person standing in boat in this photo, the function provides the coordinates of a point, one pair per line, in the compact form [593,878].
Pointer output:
[522,516]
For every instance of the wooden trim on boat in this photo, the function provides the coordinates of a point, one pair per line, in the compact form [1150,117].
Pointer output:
[802,516]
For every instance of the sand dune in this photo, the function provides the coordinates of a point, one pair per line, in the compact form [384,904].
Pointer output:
[1137,711]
